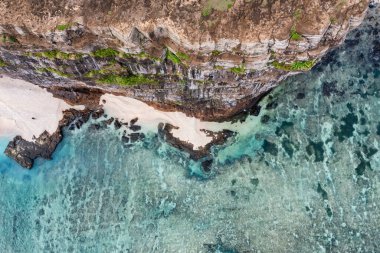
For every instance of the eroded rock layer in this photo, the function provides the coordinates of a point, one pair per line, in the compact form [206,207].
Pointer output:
[211,59]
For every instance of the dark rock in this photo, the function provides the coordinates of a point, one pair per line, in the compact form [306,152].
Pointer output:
[135,128]
[329,88]
[270,147]
[117,124]
[108,122]
[255,110]
[265,119]
[136,137]
[271,105]
[94,127]
[206,165]
[219,138]
[300,95]
[133,121]
[98,113]
[125,139]
[25,152]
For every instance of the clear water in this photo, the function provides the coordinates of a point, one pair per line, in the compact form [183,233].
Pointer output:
[307,180]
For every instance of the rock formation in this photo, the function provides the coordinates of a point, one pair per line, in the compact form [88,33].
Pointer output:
[212,59]
[209,58]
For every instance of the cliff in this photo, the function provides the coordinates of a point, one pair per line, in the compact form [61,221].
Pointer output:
[209,58]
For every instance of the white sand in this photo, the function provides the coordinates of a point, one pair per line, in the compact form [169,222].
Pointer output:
[21,101]
[126,109]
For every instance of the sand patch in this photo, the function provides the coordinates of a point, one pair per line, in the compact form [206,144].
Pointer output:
[28,110]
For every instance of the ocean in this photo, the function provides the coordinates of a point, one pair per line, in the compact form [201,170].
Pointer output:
[303,176]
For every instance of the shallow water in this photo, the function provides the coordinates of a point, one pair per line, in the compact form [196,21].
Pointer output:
[302,177]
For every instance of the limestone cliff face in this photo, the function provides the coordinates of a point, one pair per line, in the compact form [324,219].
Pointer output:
[209,58]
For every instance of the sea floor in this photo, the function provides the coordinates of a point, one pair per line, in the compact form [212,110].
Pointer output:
[303,176]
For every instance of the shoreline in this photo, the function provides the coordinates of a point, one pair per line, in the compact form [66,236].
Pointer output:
[28,110]
[187,129]
[32,118]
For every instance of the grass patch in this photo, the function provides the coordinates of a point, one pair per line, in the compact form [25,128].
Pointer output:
[105,53]
[63,27]
[294,66]
[177,58]
[95,73]
[239,70]
[2,63]
[141,55]
[55,71]
[216,53]
[294,35]
[173,57]
[183,56]
[55,54]
[206,11]
[126,80]
[217,67]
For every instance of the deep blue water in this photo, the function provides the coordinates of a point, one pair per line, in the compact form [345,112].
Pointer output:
[306,178]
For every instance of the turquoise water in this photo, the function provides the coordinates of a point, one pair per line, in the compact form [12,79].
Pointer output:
[306,179]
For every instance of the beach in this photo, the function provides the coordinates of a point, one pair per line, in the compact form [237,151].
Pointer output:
[188,129]
[28,110]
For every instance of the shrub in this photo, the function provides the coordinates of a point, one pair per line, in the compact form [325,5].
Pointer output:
[294,66]
[183,56]
[63,27]
[105,53]
[238,70]
[294,35]
[172,57]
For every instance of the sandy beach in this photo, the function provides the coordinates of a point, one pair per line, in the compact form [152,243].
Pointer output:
[189,128]
[28,110]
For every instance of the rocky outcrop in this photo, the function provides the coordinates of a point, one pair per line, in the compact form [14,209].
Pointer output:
[210,59]
[218,138]
[25,152]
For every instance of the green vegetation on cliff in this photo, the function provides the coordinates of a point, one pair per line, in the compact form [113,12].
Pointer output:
[172,57]
[56,54]
[105,53]
[294,66]
[216,53]
[54,71]
[63,27]
[177,58]
[294,35]
[141,55]
[2,63]
[126,80]
[239,70]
